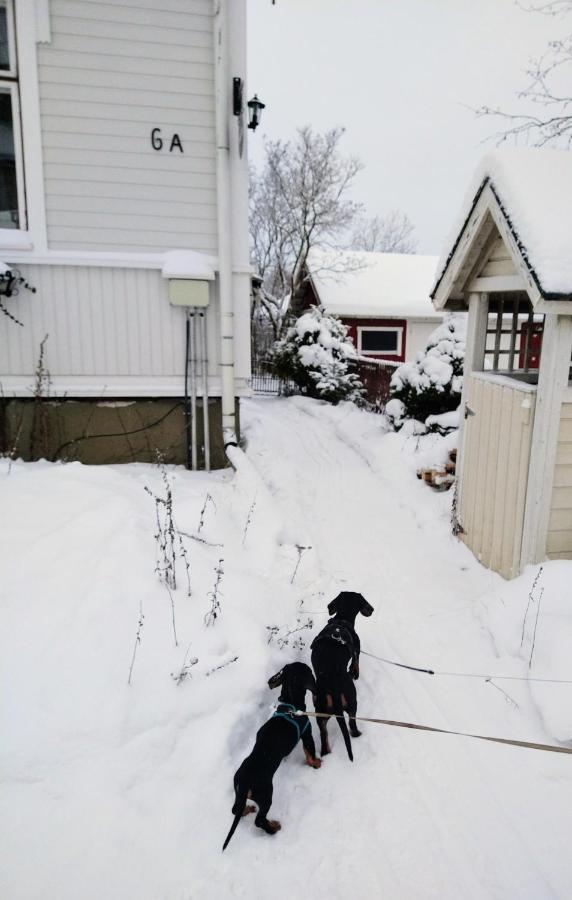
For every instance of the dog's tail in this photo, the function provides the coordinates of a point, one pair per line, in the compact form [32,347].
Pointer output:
[339,711]
[239,805]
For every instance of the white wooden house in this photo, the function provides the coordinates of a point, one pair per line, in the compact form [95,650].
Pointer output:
[124,203]
[383,299]
[509,261]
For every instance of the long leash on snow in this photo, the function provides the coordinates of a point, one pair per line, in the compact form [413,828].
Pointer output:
[391,662]
[481,675]
[530,745]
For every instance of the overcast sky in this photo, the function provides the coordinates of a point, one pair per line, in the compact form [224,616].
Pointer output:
[398,74]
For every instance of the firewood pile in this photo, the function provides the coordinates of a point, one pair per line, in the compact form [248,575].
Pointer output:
[440,477]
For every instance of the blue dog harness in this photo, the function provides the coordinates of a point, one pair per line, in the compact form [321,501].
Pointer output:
[289,717]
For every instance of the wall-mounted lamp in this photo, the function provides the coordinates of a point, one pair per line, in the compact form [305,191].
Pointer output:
[255,107]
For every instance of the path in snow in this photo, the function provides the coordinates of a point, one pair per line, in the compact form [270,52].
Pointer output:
[439,816]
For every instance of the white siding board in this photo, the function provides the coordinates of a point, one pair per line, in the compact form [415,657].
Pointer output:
[200,7]
[133,223]
[146,14]
[129,33]
[197,100]
[176,87]
[125,207]
[129,242]
[561,520]
[72,60]
[126,175]
[559,542]
[162,118]
[112,72]
[141,162]
[118,49]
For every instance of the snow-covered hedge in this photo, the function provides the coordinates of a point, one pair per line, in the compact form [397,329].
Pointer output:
[317,355]
[429,387]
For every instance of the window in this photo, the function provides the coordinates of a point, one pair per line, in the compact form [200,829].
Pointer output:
[380,341]
[11,176]
[514,337]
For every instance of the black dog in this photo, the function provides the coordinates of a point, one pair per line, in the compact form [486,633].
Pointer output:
[275,740]
[335,648]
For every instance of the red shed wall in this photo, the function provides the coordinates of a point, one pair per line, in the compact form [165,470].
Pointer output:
[353,325]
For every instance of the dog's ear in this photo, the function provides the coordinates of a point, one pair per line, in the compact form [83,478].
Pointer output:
[366,608]
[334,606]
[276,680]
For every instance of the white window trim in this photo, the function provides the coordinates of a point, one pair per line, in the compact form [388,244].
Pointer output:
[397,328]
[11,87]
[12,72]
[34,235]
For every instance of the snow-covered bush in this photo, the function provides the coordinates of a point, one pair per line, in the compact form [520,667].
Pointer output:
[317,355]
[429,387]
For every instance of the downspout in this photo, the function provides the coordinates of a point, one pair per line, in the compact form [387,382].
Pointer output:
[222,108]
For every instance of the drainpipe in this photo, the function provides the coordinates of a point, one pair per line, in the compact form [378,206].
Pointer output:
[222,108]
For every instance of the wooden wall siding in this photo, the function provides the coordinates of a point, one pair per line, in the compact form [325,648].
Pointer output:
[498,261]
[101,323]
[559,541]
[497,452]
[112,72]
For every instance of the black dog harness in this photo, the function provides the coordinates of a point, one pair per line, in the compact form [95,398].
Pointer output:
[341,633]
[296,721]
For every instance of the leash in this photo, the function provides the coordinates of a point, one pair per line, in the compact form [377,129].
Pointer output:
[401,665]
[530,745]
[468,674]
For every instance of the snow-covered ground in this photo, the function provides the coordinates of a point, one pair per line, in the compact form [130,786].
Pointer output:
[110,790]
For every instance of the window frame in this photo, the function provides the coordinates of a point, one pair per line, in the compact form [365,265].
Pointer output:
[398,329]
[9,84]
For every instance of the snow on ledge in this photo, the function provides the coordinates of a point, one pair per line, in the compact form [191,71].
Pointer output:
[188,264]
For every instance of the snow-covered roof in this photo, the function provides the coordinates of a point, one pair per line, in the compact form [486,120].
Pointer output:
[533,188]
[352,283]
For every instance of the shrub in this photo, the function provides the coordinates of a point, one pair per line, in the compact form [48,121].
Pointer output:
[317,355]
[432,384]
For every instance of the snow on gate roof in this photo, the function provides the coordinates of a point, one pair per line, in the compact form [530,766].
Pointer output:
[356,283]
[533,188]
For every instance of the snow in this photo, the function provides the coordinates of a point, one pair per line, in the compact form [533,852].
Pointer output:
[117,791]
[188,264]
[534,187]
[352,283]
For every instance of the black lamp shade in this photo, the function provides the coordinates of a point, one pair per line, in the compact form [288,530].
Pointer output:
[255,107]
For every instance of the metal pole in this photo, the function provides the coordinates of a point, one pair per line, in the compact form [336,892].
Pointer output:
[193,390]
[205,364]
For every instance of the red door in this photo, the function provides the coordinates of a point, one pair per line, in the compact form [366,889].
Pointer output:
[533,329]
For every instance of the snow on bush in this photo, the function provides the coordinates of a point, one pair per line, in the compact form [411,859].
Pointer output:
[429,387]
[317,355]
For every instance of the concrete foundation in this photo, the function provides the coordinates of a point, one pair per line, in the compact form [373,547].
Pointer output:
[106,432]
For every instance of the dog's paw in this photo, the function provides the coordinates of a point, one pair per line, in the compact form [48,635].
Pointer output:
[355,733]
[248,809]
[314,763]
[273,826]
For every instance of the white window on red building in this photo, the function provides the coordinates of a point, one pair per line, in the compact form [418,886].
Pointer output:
[382,341]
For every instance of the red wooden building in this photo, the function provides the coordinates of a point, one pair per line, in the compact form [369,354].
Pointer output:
[383,298]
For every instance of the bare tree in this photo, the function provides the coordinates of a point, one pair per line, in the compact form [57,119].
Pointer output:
[298,202]
[392,233]
[549,87]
